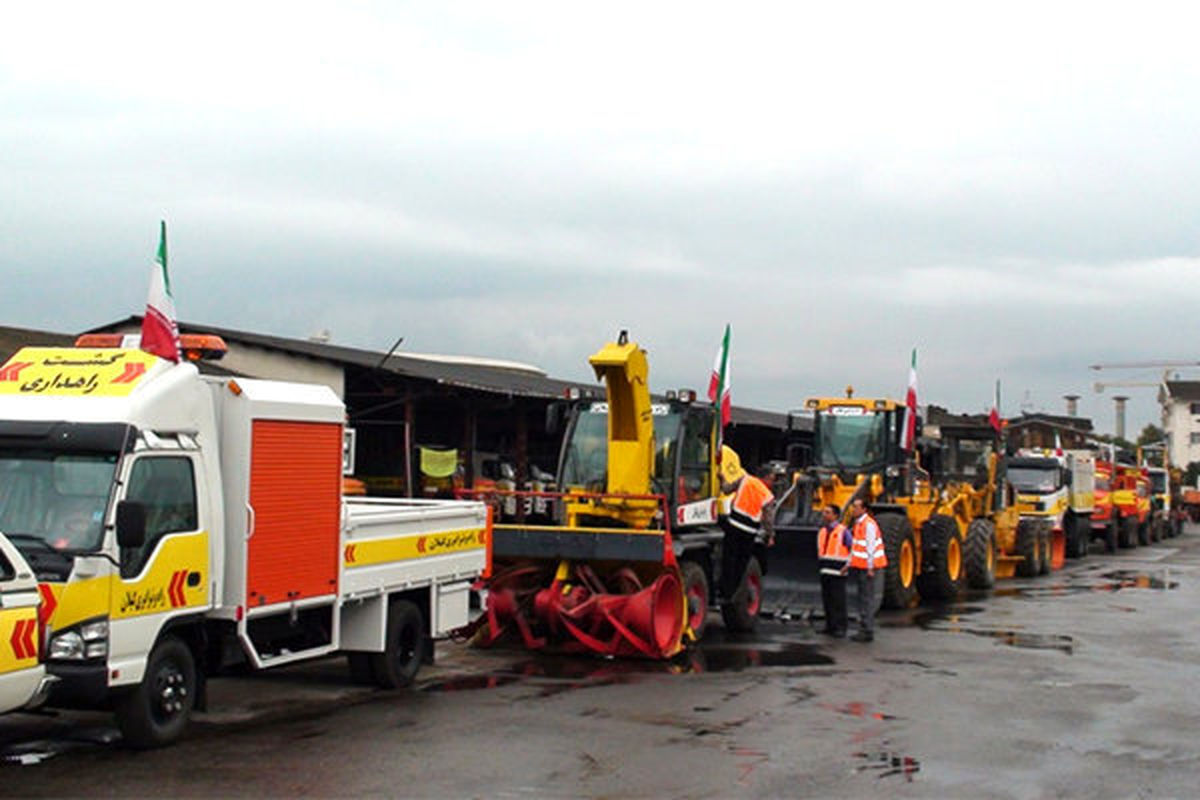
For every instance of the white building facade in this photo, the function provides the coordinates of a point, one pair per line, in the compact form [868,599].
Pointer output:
[1180,401]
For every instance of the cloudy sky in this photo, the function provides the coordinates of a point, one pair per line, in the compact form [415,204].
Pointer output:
[1013,188]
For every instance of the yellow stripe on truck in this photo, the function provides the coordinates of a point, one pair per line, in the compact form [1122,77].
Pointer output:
[18,639]
[402,548]
[161,587]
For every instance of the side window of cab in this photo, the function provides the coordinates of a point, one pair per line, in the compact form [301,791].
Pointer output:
[166,486]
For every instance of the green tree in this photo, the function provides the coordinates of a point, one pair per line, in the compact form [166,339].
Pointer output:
[1151,434]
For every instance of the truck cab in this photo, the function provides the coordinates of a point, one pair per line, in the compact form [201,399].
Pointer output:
[23,680]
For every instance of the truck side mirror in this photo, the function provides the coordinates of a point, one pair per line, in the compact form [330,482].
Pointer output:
[131,524]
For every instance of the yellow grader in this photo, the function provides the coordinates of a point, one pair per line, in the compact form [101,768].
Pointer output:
[628,568]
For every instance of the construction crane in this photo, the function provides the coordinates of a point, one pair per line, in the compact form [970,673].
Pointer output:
[1165,365]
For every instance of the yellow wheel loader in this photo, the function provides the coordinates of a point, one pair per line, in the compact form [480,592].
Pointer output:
[938,506]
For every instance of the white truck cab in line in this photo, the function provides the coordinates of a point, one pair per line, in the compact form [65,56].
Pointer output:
[177,522]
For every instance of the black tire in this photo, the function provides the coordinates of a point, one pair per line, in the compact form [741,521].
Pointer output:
[1143,533]
[1046,541]
[404,648]
[942,570]
[696,590]
[156,712]
[362,671]
[1077,530]
[1128,537]
[1029,548]
[1112,536]
[980,554]
[740,612]
[899,589]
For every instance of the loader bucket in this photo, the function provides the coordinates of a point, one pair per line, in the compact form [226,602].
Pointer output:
[791,585]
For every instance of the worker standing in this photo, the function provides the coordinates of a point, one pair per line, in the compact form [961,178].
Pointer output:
[833,558]
[867,557]
[751,520]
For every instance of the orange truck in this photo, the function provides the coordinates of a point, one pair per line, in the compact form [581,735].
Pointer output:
[1105,523]
[1131,504]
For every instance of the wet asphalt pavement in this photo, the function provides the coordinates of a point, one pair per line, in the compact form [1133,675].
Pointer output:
[1083,683]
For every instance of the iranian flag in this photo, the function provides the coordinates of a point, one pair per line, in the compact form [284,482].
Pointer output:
[910,403]
[718,384]
[160,334]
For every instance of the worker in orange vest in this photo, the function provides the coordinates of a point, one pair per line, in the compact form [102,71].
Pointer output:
[867,562]
[833,559]
[750,520]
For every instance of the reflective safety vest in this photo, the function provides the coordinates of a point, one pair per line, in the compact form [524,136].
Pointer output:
[868,544]
[746,510]
[832,552]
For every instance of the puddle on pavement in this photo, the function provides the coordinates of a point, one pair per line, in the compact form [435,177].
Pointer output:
[1083,583]
[887,764]
[717,652]
[954,619]
[35,751]
[859,710]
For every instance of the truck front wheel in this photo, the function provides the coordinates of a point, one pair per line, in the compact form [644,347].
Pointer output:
[155,713]
[404,650]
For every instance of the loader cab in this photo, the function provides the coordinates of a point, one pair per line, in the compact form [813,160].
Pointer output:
[682,450]
[852,437]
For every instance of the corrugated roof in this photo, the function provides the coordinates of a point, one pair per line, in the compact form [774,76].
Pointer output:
[13,339]
[483,377]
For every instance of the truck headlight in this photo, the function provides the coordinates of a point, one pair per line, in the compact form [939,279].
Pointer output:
[83,641]
[67,645]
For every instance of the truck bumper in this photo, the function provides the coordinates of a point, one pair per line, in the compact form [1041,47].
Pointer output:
[78,685]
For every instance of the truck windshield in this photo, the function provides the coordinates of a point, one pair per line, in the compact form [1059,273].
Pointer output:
[1159,481]
[850,441]
[585,459]
[1034,480]
[59,499]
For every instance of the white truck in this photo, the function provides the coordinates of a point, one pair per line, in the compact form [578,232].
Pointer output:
[1057,486]
[178,522]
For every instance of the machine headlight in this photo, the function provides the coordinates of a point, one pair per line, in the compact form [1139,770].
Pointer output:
[79,642]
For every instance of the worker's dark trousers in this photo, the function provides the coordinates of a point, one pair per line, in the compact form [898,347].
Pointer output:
[866,598]
[833,595]
[736,549]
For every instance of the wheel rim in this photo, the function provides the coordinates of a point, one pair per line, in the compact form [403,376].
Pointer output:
[406,646]
[170,693]
[954,558]
[907,568]
[753,594]
[990,560]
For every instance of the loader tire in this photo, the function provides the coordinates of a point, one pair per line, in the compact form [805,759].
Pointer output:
[156,711]
[981,554]
[942,559]
[740,612]
[1078,530]
[1143,533]
[1129,532]
[1028,547]
[900,547]
[695,590]
[1112,538]
[404,648]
